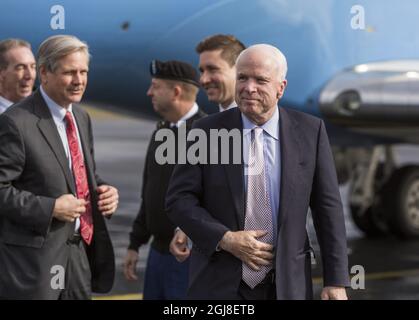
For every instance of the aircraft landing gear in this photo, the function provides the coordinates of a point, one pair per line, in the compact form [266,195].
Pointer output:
[368,179]
[402,202]
[383,198]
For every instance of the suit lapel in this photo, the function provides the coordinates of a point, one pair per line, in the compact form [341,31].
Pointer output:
[235,172]
[84,136]
[49,130]
[290,161]
[84,133]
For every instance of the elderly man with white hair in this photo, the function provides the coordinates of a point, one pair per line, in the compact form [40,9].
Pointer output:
[247,221]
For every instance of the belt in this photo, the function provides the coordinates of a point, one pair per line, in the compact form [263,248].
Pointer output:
[269,278]
[266,283]
[74,239]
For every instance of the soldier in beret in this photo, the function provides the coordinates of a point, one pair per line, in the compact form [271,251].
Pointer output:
[173,91]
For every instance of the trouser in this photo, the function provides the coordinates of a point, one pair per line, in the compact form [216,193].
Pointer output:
[78,275]
[165,277]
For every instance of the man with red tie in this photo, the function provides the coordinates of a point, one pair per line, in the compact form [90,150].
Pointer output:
[53,239]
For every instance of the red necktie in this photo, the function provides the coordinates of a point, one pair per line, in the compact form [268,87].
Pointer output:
[80,177]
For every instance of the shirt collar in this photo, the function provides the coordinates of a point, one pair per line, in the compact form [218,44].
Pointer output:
[58,112]
[5,102]
[192,111]
[232,105]
[271,126]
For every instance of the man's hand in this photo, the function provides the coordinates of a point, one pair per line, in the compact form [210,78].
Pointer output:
[179,246]
[130,265]
[245,246]
[68,208]
[334,293]
[108,199]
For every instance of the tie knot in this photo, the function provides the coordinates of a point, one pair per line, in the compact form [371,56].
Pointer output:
[69,120]
[68,117]
[258,131]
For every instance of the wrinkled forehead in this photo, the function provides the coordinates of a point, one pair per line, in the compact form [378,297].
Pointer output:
[257,57]
[76,59]
[19,55]
[159,83]
[257,62]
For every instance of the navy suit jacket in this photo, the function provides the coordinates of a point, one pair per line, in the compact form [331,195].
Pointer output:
[208,200]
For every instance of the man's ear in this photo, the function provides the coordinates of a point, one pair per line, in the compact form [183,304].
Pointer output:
[42,75]
[281,89]
[177,91]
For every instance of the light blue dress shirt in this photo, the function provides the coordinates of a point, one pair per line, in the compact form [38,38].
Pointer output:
[4,104]
[272,157]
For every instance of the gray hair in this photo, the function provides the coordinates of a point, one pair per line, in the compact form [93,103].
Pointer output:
[56,47]
[277,57]
[8,44]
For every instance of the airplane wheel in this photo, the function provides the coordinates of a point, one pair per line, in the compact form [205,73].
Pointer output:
[403,202]
[369,222]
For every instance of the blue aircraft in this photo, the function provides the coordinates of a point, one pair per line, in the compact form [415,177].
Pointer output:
[353,63]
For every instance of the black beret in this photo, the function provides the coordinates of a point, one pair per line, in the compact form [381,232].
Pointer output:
[174,70]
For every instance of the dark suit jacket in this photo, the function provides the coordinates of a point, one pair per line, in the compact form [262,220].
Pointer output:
[152,220]
[208,200]
[34,171]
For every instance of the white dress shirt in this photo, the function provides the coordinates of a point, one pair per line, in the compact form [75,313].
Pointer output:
[187,116]
[232,105]
[58,114]
[4,104]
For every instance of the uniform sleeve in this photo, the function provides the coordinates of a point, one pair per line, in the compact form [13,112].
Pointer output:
[139,234]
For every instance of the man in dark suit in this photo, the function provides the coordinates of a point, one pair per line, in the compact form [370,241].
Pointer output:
[17,71]
[217,67]
[53,239]
[247,221]
[173,90]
